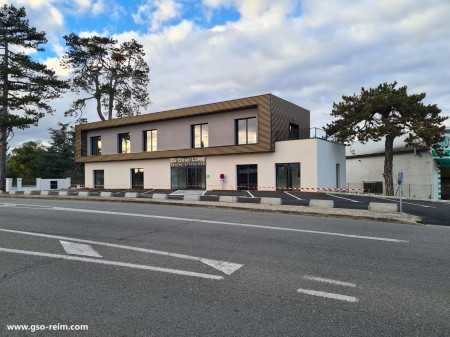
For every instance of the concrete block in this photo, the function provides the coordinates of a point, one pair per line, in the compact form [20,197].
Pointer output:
[131,194]
[321,203]
[270,201]
[383,207]
[63,193]
[192,197]
[106,194]
[84,193]
[45,192]
[32,192]
[228,198]
[159,196]
[19,192]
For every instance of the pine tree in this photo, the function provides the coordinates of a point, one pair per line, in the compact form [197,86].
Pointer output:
[27,86]
[388,112]
[114,76]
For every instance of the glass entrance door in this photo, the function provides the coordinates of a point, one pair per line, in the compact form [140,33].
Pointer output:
[247,177]
[137,178]
[196,178]
[188,178]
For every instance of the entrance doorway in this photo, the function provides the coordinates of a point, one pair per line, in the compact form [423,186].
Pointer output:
[99,178]
[247,177]
[137,179]
[188,178]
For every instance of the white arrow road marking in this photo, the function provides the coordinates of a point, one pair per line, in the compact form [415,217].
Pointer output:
[328,295]
[224,223]
[225,267]
[113,263]
[79,249]
[327,280]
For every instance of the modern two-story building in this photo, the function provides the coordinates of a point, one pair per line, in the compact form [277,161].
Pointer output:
[261,142]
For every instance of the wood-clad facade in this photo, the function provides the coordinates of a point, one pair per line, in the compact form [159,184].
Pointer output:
[273,114]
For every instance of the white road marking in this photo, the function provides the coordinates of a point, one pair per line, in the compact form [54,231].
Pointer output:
[292,195]
[225,267]
[326,280]
[328,295]
[409,203]
[113,263]
[250,194]
[79,249]
[335,196]
[227,224]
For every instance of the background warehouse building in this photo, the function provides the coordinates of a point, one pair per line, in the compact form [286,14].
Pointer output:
[425,174]
[261,142]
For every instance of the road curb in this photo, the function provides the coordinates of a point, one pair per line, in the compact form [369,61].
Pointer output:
[284,209]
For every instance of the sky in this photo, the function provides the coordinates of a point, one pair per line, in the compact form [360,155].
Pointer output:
[309,52]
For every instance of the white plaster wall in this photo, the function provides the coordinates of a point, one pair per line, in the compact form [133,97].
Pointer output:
[418,172]
[330,154]
[118,174]
[305,151]
[294,151]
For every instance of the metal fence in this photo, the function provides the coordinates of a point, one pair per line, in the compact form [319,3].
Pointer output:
[420,191]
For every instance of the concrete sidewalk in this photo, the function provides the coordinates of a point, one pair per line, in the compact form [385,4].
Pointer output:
[286,209]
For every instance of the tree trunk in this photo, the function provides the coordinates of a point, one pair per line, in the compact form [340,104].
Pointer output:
[3,127]
[388,163]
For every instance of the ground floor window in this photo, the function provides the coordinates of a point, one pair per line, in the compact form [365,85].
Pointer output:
[188,178]
[247,177]
[99,178]
[374,187]
[137,178]
[288,175]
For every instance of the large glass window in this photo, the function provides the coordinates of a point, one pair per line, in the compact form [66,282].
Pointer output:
[288,175]
[96,146]
[124,143]
[247,177]
[99,178]
[246,131]
[190,178]
[137,178]
[151,140]
[199,136]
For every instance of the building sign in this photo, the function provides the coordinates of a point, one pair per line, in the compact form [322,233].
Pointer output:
[187,161]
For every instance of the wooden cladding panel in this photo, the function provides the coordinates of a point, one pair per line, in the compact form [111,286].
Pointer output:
[264,126]
[283,113]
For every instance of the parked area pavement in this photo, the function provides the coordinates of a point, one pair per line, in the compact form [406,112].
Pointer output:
[321,204]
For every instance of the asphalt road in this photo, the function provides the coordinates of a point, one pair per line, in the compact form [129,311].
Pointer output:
[156,270]
[432,212]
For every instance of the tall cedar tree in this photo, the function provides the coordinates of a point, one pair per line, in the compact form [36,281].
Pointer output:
[27,86]
[59,160]
[115,76]
[387,112]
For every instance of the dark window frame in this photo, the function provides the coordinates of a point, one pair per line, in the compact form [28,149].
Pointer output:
[289,181]
[119,142]
[145,138]
[236,130]
[96,150]
[202,145]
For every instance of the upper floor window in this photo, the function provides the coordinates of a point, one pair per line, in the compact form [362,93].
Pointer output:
[124,144]
[151,140]
[96,146]
[199,135]
[246,131]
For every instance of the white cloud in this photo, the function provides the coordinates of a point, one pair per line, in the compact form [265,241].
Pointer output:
[157,13]
[311,57]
